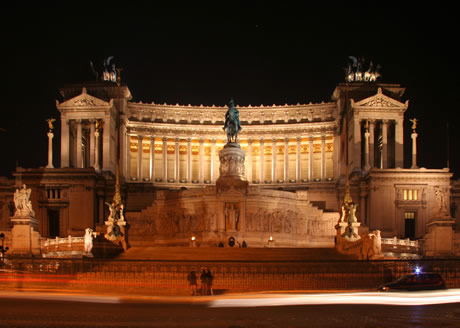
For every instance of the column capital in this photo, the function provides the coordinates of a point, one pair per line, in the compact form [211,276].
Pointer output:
[298,139]
[249,141]
[164,139]
[286,140]
[177,140]
[152,138]
[140,137]
[310,138]
[189,140]
[323,138]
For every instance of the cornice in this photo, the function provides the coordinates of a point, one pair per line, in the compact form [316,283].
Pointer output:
[249,114]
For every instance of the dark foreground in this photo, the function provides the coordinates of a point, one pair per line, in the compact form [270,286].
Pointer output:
[18,312]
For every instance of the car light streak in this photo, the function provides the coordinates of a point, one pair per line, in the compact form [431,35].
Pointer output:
[396,298]
[63,297]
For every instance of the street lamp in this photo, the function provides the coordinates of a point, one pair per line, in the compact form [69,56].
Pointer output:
[3,249]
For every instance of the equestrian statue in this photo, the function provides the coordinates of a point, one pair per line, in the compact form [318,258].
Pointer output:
[232,122]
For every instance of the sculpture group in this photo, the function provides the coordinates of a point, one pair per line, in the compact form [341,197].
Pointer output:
[355,71]
[22,202]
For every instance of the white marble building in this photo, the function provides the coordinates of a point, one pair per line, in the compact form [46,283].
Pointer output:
[290,147]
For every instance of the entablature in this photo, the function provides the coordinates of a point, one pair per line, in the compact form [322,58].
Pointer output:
[249,114]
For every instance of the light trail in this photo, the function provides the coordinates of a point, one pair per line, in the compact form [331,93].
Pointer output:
[377,298]
[62,297]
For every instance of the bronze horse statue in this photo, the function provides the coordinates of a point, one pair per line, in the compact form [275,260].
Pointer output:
[232,122]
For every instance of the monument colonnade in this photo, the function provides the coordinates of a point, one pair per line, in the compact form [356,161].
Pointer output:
[183,159]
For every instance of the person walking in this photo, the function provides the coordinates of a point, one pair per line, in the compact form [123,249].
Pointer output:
[191,277]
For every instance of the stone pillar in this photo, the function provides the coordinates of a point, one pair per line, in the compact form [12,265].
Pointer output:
[298,164]
[92,146]
[200,168]
[249,160]
[176,161]
[165,159]
[139,158]
[414,150]
[310,162]
[323,158]
[366,148]
[96,151]
[65,143]
[356,146]
[262,161]
[371,143]
[152,159]
[128,156]
[385,143]
[189,160]
[79,154]
[399,143]
[286,160]
[50,150]
[273,160]
[213,160]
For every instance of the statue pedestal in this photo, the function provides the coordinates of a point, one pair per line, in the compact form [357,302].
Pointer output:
[231,169]
[25,239]
[439,241]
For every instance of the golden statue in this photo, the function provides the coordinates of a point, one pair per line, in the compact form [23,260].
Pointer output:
[50,123]
[414,124]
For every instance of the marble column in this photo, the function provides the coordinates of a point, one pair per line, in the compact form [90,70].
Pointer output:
[310,162]
[165,159]
[96,151]
[213,160]
[65,143]
[91,145]
[298,163]
[273,178]
[200,167]
[79,153]
[152,159]
[366,147]
[356,145]
[249,168]
[262,161]
[399,143]
[414,150]
[139,158]
[176,161]
[371,143]
[128,155]
[286,160]
[323,158]
[385,143]
[189,160]
[50,150]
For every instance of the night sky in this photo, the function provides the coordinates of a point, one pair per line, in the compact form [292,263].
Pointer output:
[255,53]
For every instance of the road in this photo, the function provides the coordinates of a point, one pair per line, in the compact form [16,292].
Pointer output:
[276,310]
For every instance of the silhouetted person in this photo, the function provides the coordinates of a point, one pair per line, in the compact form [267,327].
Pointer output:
[191,277]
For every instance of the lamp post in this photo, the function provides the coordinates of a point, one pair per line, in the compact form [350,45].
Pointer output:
[3,249]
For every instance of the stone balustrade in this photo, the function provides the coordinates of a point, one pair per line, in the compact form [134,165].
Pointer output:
[395,247]
[63,247]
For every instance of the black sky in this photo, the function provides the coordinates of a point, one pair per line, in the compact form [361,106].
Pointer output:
[253,52]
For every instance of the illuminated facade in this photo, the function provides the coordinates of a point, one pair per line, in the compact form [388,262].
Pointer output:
[291,147]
